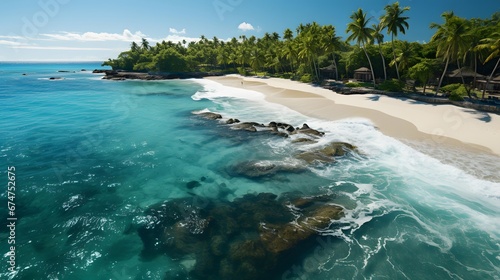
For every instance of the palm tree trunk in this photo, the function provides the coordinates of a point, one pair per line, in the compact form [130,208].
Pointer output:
[463,80]
[475,70]
[442,76]
[491,76]
[394,55]
[371,67]
[336,69]
[425,86]
[383,62]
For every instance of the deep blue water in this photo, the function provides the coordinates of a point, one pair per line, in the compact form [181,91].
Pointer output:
[92,155]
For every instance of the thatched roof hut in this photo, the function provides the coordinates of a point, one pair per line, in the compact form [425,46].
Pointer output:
[363,74]
[464,72]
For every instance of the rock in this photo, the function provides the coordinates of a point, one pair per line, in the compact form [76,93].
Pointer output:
[304,141]
[249,238]
[259,169]
[231,121]
[327,154]
[290,129]
[305,129]
[248,126]
[56,78]
[280,238]
[210,115]
[193,184]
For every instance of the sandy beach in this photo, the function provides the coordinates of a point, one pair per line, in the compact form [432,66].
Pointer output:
[404,119]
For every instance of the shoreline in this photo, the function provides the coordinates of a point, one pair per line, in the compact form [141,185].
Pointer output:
[400,118]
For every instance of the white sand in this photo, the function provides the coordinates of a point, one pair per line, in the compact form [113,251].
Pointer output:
[399,118]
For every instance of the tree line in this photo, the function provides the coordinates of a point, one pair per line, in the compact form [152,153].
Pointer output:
[302,53]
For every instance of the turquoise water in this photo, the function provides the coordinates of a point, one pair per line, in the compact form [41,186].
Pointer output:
[92,155]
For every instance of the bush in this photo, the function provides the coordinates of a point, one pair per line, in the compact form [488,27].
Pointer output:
[286,75]
[456,97]
[306,78]
[243,71]
[451,88]
[353,84]
[392,85]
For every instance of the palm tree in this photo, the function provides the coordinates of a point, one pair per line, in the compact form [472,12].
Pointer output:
[379,38]
[361,33]
[493,45]
[394,22]
[451,40]
[144,44]
[331,44]
[404,56]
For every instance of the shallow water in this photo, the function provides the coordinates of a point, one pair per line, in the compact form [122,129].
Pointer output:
[92,155]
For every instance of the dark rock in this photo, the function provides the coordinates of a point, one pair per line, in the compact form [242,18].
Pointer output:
[231,121]
[248,126]
[56,78]
[258,169]
[248,238]
[210,115]
[290,128]
[193,184]
[304,140]
[327,153]
[280,238]
[203,178]
[305,129]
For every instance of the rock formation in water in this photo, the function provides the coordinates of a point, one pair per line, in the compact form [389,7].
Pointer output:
[252,237]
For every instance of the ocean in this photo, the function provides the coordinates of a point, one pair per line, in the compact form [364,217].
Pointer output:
[96,162]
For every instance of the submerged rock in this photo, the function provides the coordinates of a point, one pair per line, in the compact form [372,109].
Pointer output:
[263,168]
[193,184]
[249,238]
[327,154]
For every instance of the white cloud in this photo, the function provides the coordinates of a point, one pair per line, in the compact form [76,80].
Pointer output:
[33,47]
[175,31]
[10,43]
[245,26]
[126,36]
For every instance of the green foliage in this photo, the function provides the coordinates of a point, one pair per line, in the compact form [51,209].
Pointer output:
[312,46]
[423,71]
[243,71]
[451,88]
[353,84]
[456,97]
[393,85]
[306,78]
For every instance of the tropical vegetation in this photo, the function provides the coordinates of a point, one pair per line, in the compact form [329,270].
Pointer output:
[312,52]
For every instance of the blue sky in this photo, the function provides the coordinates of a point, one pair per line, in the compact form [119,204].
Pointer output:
[78,30]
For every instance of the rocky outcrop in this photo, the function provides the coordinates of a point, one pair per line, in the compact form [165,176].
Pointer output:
[305,129]
[327,154]
[210,115]
[251,237]
[129,75]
